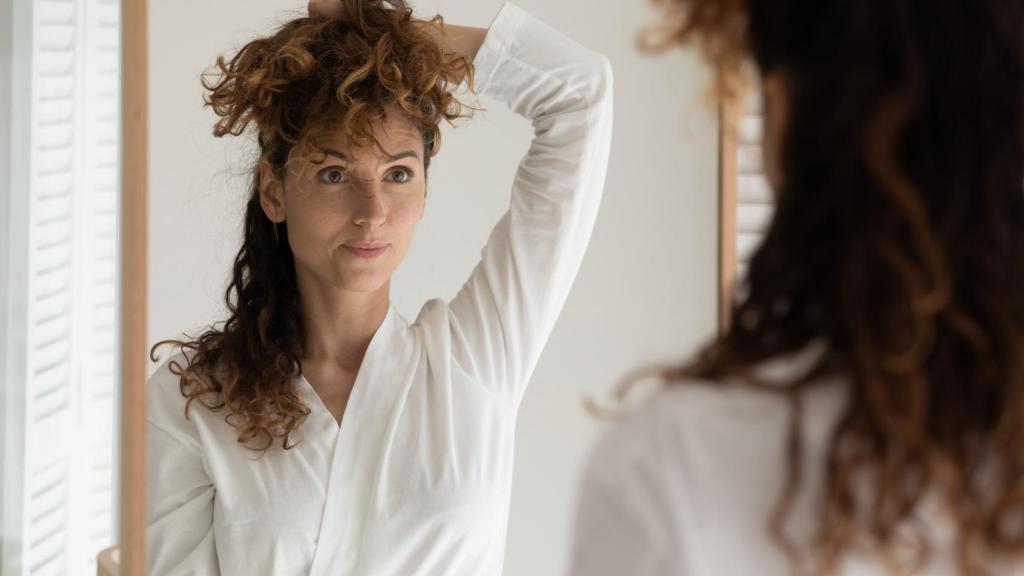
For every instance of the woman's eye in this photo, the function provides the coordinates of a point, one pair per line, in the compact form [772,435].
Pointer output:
[401,176]
[333,176]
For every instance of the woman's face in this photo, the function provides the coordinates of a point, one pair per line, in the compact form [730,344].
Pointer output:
[351,216]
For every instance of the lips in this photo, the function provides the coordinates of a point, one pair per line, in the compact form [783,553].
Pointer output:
[365,244]
[366,249]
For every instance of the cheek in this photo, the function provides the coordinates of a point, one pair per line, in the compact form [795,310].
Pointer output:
[319,221]
[314,227]
[406,215]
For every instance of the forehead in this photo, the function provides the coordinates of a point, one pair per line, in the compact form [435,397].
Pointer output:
[394,135]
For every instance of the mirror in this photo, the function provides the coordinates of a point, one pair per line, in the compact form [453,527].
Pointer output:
[644,291]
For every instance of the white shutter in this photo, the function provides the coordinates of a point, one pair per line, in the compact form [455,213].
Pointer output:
[754,201]
[67,508]
[97,360]
[50,409]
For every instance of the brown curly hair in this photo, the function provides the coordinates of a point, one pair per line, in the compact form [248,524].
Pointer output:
[311,77]
[898,241]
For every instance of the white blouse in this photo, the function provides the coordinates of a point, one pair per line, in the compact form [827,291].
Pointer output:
[417,478]
[686,483]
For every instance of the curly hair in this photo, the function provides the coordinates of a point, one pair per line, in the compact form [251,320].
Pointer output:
[311,77]
[898,242]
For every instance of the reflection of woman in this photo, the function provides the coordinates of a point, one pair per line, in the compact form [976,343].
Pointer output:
[863,413]
[325,433]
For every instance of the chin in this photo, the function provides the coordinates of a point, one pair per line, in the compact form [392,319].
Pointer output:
[362,282]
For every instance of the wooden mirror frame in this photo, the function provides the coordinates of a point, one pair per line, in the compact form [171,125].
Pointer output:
[133,286]
[728,121]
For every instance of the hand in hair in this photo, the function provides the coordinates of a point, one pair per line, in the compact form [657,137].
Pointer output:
[463,41]
[325,8]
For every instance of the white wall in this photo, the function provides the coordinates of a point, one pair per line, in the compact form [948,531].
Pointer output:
[646,290]
[9,459]
[15,94]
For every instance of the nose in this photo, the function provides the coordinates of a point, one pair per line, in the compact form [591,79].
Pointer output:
[370,211]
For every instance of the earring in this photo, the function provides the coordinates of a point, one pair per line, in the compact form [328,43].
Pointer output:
[277,240]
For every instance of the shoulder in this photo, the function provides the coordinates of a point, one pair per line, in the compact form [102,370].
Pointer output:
[691,419]
[166,404]
[634,448]
[433,315]
[436,326]
[684,407]
[634,493]
[164,385]
[688,427]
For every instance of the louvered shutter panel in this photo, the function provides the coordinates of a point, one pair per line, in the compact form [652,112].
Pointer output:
[69,415]
[100,186]
[50,410]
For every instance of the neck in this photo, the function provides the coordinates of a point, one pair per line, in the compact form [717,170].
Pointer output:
[339,324]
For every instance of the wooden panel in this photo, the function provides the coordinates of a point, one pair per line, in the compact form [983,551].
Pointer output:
[134,171]
[727,213]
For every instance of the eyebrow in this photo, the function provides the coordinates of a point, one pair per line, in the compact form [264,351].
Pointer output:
[395,158]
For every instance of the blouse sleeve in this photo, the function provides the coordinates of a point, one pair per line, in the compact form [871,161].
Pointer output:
[504,313]
[179,534]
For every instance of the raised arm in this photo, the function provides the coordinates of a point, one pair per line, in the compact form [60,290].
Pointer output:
[504,313]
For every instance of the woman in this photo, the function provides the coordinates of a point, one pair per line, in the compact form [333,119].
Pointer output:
[319,432]
[863,412]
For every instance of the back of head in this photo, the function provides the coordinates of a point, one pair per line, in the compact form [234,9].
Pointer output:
[898,240]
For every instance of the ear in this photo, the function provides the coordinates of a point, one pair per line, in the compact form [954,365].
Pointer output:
[271,193]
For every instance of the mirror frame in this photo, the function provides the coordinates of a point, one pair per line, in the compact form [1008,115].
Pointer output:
[728,122]
[133,284]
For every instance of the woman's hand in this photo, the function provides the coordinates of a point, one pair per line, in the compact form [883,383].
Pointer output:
[325,8]
[462,40]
